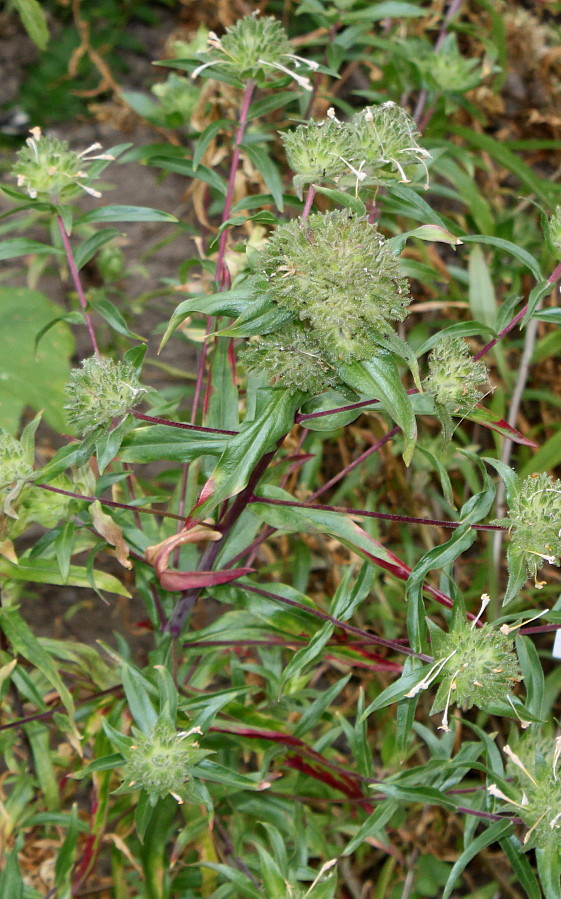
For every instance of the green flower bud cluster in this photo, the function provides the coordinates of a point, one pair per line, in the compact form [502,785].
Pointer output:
[178,98]
[336,274]
[99,392]
[160,762]
[447,71]
[474,666]
[377,145]
[534,520]
[533,777]
[290,357]
[49,170]
[455,379]
[255,48]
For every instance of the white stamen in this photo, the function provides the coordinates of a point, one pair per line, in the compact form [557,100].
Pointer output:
[431,675]
[494,790]
[485,600]
[507,628]
[300,79]
[311,63]
[556,755]
[331,115]
[533,827]
[518,762]
[523,724]
[453,685]
[200,69]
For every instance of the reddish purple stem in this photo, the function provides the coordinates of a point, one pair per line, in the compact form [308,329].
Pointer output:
[77,283]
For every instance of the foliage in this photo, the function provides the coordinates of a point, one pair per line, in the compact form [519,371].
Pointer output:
[276,739]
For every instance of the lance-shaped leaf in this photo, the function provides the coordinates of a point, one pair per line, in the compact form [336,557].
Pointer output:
[379,377]
[274,418]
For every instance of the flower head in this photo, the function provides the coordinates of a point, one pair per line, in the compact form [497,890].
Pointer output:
[15,464]
[385,143]
[316,150]
[48,169]
[290,358]
[455,380]
[160,762]
[534,520]
[254,48]
[335,272]
[99,392]
[475,667]
[554,230]
[447,71]
[532,772]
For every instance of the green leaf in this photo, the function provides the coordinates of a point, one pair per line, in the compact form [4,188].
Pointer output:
[24,643]
[517,573]
[114,318]
[34,21]
[88,248]
[482,299]
[348,201]
[511,248]
[545,191]
[273,420]
[302,520]
[424,795]
[184,167]
[46,571]
[440,557]
[549,870]
[526,878]
[532,671]
[125,214]
[24,373]
[138,691]
[492,834]
[11,882]
[13,247]
[390,9]
[164,443]
[63,547]
[373,826]
[207,136]
[65,859]
[229,302]
[268,171]
[308,654]
[379,377]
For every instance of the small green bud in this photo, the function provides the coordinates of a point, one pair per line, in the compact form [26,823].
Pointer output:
[14,461]
[255,48]
[160,762]
[554,229]
[336,273]
[455,380]
[99,392]
[534,520]
[290,358]
[447,71]
[178,97]
[385,143]
[475,666]
[316,152]
[49,170]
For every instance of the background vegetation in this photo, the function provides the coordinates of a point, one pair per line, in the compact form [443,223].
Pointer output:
[301,503]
